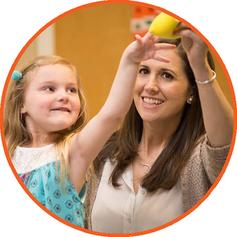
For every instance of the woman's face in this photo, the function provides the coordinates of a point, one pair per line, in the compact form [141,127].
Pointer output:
[161,89]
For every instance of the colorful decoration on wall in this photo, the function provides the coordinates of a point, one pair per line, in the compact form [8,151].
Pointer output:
[142,18]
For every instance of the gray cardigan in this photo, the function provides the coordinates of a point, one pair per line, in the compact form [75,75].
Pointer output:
[198,175]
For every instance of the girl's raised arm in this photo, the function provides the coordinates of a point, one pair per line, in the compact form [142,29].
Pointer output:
[86,145]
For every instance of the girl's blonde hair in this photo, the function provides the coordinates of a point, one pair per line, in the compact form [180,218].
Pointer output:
[15,130]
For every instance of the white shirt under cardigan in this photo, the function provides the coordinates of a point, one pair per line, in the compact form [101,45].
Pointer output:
[126,211]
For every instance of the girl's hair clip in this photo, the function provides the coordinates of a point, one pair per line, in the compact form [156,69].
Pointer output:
[16,76]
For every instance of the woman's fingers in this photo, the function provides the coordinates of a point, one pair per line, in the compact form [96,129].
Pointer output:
[180,27]
[159,46]
[148,36]
[148,43]
[138,39]
[185,32]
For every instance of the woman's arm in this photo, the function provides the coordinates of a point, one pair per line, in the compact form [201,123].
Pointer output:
[86,145]
[217,112]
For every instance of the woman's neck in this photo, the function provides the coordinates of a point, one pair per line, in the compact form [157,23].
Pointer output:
[155,136]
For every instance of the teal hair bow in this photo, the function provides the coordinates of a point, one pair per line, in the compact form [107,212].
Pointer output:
[16,76]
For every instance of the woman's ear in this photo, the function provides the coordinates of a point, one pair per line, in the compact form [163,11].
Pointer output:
[190,99]
[190,96]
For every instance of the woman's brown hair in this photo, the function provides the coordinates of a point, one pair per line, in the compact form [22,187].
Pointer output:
[122,148]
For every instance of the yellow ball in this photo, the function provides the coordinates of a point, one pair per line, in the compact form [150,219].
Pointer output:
[163,26]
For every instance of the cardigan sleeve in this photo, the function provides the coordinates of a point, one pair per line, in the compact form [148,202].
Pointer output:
[213,158]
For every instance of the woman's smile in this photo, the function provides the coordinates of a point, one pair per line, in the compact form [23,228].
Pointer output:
[151,102]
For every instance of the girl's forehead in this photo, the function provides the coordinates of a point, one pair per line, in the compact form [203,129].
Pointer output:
[53,72]
[54,69]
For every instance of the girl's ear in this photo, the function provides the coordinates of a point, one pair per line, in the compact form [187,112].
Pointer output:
[23,109]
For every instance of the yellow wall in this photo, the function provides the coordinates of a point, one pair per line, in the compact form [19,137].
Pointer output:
[93,39]
[29,54]
[222,80]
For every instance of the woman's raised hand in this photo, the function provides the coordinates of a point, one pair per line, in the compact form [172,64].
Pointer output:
[195,47]
[144,48]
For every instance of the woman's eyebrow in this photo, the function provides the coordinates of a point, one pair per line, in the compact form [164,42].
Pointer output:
[144,66]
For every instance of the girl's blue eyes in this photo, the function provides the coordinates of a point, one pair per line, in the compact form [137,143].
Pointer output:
[52,89]
[73,90]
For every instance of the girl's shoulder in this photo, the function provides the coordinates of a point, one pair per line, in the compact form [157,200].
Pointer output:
[27,159]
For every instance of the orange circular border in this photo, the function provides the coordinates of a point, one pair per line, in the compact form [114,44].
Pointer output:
[130,3]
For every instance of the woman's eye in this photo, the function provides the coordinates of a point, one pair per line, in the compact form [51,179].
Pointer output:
[167,76]
[143,71]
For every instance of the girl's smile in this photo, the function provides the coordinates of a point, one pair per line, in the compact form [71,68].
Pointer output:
[51,99]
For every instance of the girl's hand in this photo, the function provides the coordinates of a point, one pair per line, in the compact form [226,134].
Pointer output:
[144,48]
[195,48]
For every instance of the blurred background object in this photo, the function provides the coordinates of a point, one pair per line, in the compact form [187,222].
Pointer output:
[93,39]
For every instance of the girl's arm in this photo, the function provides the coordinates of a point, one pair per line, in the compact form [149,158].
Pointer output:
[86,145]
[217,112]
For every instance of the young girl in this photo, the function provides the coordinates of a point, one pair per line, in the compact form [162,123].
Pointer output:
[44,114]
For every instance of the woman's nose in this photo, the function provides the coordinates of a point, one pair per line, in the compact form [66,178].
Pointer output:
[152,86]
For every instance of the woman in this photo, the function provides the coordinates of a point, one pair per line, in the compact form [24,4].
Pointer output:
[170,148]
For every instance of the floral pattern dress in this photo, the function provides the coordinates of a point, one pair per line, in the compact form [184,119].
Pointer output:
[39,169]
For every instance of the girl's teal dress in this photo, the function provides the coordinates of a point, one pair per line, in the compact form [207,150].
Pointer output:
[39,170]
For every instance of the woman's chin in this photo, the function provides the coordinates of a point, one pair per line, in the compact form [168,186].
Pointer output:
[149,117]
